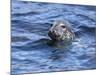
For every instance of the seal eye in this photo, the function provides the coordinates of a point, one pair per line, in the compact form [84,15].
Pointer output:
[63,26]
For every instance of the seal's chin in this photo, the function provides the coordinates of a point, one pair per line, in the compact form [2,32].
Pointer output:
[58,44]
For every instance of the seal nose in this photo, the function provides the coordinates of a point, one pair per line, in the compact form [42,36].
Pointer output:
[49,33]
[53,31]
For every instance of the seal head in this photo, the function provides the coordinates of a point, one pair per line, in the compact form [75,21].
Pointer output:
[61,31]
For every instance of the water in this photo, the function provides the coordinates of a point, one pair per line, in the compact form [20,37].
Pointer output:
[31,52]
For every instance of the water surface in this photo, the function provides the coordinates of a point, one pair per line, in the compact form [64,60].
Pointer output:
[31,52]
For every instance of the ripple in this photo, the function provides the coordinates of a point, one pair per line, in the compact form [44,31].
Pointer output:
[33,50]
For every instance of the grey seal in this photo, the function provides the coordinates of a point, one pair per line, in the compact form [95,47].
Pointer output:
[61,31]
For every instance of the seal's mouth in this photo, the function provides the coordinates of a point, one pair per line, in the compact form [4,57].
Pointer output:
[52,35]
[55,35]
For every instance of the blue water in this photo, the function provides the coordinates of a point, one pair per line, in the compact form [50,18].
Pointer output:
[31,53]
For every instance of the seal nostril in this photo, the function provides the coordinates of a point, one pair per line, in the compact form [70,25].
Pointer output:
[53,31]
[63,26]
